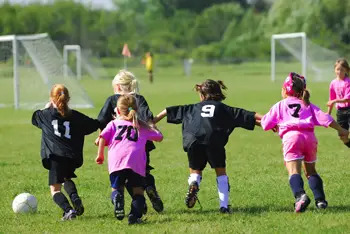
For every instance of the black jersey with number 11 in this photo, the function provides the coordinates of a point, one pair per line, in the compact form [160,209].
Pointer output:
[63,136]
[209,122]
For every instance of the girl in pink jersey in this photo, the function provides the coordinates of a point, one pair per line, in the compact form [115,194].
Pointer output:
[126,138]
[295,118]
[339,94]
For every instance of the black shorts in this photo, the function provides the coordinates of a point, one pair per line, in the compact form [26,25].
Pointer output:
[61,169]
[343,117]
[199,155]
[119,178]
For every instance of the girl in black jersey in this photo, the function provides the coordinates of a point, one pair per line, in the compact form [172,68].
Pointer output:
[62,141]
[206,127]
[125,83]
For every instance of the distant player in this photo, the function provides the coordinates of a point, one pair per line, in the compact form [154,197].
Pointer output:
[295,117]
[149,65]
[339,94]
[206,127]
[63,131]
[126,139]
[125,83]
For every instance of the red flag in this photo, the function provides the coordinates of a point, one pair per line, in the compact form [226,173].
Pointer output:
[126,51]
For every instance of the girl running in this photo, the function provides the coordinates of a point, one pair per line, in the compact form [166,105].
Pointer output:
[206,127]
[126,138]
[296,117]
[63,131]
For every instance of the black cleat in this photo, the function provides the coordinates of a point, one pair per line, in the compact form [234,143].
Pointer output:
[118,202]
[132,219]
[78,206]
[301,203]
[191,196]
[321,204]
[70,215]
[155,199]
[348,144]
[225,210]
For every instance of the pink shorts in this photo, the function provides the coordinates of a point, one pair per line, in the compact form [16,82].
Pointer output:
[300,145]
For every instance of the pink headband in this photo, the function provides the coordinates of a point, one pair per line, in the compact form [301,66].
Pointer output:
[288,83]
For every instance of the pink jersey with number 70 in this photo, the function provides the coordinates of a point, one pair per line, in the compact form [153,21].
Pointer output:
[291,114]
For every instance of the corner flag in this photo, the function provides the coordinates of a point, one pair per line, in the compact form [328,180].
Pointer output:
[126,51]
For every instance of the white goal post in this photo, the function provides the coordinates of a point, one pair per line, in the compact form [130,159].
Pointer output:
[275,37]
[77,50]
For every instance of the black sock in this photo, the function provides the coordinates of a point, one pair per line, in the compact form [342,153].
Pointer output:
[62,201]
[71,189]
[113,194]
[297,185]
[316,185]
[129,189]
[137,205]
[150,181]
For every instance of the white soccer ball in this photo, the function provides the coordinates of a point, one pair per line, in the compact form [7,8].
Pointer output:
[24,203]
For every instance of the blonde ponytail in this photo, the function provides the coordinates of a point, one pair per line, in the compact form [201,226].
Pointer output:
[127,82]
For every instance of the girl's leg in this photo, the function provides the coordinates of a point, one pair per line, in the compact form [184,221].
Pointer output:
[223,189]
[137,205]
[72,191]
[315,184]
[117,197]
[194,181]
[297,185]
[60,199]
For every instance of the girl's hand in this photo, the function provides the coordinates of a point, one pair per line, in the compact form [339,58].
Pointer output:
[99,159]
[97,140]
[330,103]
[275,129]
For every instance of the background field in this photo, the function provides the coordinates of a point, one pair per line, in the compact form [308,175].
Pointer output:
[260,194]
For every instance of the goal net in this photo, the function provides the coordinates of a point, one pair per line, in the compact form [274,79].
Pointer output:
[295,52]
[29,66]
[82,63]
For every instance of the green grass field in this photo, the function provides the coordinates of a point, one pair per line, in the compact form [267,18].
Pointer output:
[260,193]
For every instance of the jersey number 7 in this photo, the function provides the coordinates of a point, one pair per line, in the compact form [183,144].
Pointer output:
[296,110]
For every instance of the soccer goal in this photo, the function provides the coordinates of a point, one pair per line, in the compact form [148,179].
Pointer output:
[29,66]
[295,52]
[82,62]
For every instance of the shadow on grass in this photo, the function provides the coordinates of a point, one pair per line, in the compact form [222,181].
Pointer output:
[338,209]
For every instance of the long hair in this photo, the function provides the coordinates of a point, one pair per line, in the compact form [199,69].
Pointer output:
[127,81]
[60,97]
[299,88]
[342,62]
[128,109]
[211,90]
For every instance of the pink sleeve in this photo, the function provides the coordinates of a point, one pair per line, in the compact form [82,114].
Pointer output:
[153,135]
[332,94]
[347,91]
[108,132]
[270,120]
[321,118]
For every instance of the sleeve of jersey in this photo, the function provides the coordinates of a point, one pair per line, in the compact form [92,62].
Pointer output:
[175,114]
[321,118]
[37,118]
[347,91]
[269,120]
[106,113]
[153,135]
[332,94]
[89,125]
[108,132]
[144,112]
[243,118]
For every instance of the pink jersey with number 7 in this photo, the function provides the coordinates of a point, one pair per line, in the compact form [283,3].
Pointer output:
[291,114]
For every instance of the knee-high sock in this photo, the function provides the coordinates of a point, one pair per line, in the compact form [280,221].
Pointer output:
[62,201]
[316,185]
[137,205]
[71,189]
[223,190]
[194,177]
[296,184]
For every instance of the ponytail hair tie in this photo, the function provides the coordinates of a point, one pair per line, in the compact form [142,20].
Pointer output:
[130,109]
[62,93]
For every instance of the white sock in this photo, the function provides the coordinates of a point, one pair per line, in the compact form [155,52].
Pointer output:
[223,190]
[194,177]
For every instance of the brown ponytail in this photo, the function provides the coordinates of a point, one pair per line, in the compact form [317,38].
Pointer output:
[60,97]
[306,97]
[211,90]
[128,109]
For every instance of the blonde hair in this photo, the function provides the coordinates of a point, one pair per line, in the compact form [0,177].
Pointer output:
[60,97]
[342,62]
[127,107]
[127,82]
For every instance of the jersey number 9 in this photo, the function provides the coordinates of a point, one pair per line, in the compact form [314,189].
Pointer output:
[208,111]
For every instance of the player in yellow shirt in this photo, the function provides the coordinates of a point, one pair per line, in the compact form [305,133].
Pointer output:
[149,65]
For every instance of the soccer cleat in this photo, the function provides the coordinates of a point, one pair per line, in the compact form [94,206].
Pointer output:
[155,199]
[348,144]
[301,203]
[191,196]
[321,204]
[132,219]
[225,210]
[70,215]
[118,202]
[78,206]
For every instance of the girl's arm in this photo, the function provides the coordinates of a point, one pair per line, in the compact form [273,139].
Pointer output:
[258,118]
[160,116]
[343,133]
[100,153]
